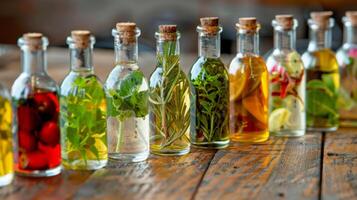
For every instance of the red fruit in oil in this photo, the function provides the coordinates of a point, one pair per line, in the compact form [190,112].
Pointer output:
[27,141]
[50,133]
[28,119]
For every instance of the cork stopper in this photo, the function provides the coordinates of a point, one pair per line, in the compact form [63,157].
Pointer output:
[285,21]
[127,32]
[168,32]
[322,19]
[209,25]
[248,24]
[352,17]
[33,40]
[81,38]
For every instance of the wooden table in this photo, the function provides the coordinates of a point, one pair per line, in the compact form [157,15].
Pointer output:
[316,166]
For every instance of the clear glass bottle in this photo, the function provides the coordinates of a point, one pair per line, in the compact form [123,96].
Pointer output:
[209,90]
[169,97]
[347,60]
[83,109]
[127,99]
[248,86]
[286,81]
[36,111]
[6,148]
[322,76]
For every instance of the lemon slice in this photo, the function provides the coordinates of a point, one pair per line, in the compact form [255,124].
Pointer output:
[237,83]
[278,119]
[293,65]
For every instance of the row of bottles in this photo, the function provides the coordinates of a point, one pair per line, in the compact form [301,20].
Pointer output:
[82,123]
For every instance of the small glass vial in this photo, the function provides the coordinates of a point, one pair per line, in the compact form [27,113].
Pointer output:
[286,81]
[6,148]
[83,109]
[169,97]
[248,86]
[36,111]
[322,76]
[127,99]
[209,90]
[347,60]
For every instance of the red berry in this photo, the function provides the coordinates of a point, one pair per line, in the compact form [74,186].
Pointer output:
[27,141]
[28,119]
[53,154]
[50,133]
[37,160]
[47,105]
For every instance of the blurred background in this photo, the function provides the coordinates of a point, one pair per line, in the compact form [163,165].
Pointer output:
[57,18]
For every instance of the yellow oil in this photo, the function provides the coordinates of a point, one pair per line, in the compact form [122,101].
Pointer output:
[6,154]
[248,87]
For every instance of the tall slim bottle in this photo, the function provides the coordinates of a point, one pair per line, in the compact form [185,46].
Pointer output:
[83,109]
[322,76]
[209,90]
[127,99]
[286,81]
[347,60]
[36,111]
[169,97]
[6,145]
[248,86]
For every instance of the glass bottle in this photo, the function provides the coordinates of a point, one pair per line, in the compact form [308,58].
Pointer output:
[347,60]
[36,111]
[169,97]
[6,148]
[83,109]
[322,76]
[209,90]
[127,99]
[286,81]
[248,86]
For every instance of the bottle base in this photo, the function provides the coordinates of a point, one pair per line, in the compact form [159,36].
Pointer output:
[288,133]
[6,179]
[170,152]
[88,165]
[250,137]
[348,123]
[211,145]
[137,157]
[39,173]
[322,129]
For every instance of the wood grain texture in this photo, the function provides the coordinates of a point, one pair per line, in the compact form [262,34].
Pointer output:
[280,168]
[158,178]
[339,177]
[62,186]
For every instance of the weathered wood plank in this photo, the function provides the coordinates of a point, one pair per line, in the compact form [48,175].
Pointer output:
[62,186]
[158,178]
[339,174]
[280,168]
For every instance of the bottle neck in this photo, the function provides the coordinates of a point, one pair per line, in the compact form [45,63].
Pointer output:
[125,53]
[320,38]
[33,62]
[81,59]
[209,45]
[284,39]
[350,35]
[167,48]
[248,43]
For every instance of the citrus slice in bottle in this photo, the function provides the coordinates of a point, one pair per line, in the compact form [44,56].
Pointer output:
[293,65]
[278,119]
[256,106]
[237,83]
